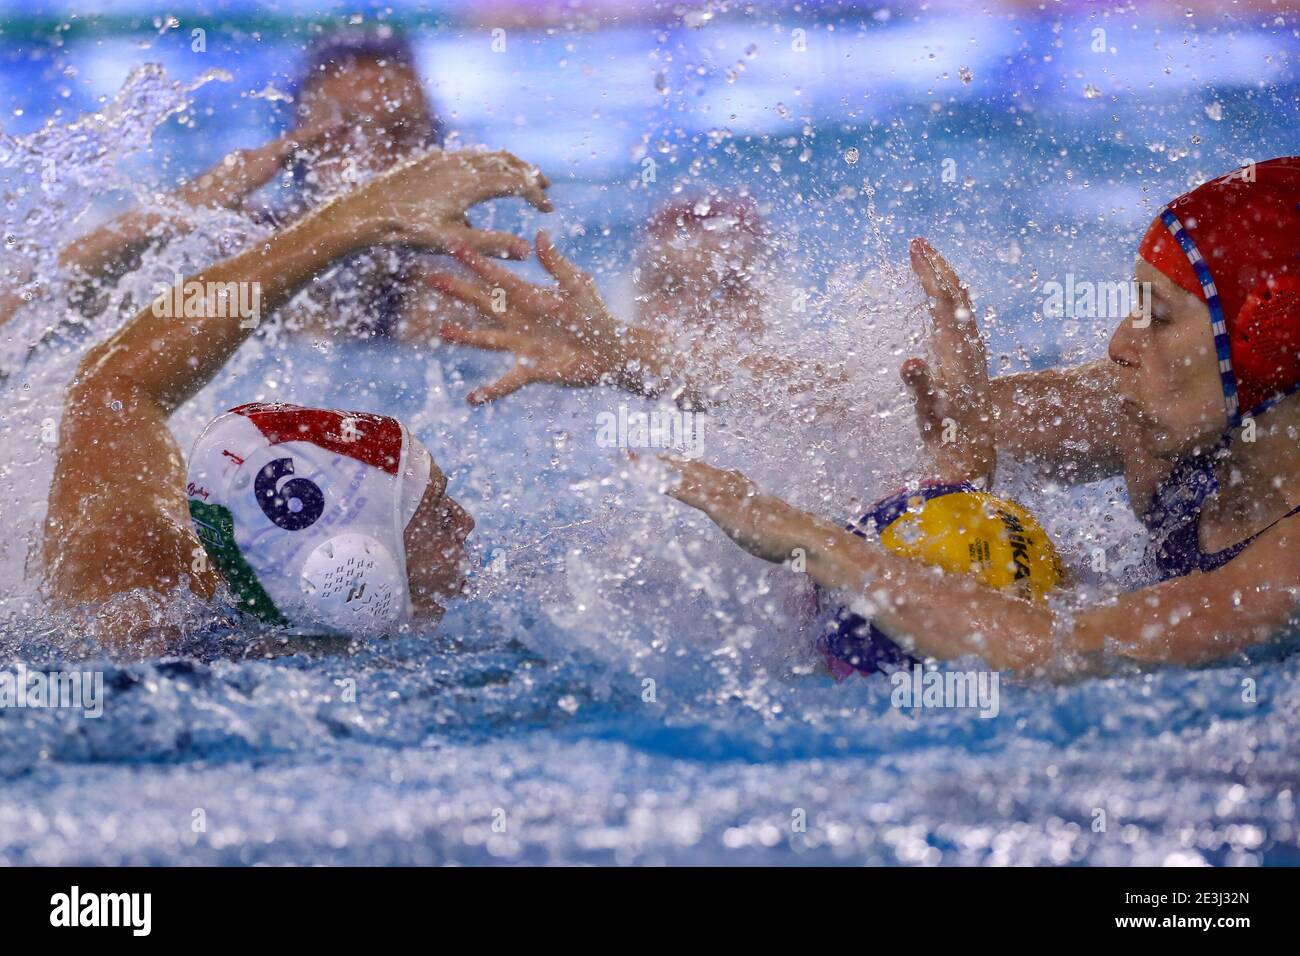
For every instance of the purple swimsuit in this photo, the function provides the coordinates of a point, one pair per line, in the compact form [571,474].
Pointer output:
[1174,521]
[849,643]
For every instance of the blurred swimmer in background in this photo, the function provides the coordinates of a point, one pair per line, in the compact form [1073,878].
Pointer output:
[699,273]
[700,263]
[367,86]
[359,109]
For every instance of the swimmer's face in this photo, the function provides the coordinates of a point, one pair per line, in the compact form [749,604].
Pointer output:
[383,107]
[1168,369]
[705,280]
[436,564]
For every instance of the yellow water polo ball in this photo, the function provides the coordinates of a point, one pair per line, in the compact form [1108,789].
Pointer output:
[964,531]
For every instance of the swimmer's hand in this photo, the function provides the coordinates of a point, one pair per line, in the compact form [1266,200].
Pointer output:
[244,171]
[953,403]
[109,249]
[423,202]
[931,613]
[560,335]
[762,524]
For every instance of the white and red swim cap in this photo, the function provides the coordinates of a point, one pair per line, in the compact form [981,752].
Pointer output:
[1234,243]
[303,510]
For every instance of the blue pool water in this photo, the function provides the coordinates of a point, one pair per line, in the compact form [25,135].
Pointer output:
[525,709]
[520,730]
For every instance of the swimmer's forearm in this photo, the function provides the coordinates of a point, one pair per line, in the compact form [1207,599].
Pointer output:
[1066,418]
[104,251]
[171,358]
[1186,621]
[1205,616]
[939,615]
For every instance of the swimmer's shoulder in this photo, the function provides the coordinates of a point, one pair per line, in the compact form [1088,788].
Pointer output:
[105,549]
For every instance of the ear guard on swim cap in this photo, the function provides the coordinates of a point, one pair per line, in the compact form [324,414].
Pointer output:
[352,579]
[1266,341]
[304,510]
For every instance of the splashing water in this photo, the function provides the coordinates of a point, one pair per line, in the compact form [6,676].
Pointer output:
[624,684]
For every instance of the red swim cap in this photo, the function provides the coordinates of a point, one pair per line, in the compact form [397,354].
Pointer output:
[1234,242]
[691,216]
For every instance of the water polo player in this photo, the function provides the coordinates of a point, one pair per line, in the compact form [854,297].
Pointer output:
[1196,408]
[328,522]
[359,108]
[1220,345]
[364,82]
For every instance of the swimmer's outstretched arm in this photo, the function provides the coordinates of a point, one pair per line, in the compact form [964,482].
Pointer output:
[113,249]
[1069,421]
[117,517]
[1188,620]
[565,335]
[107,250]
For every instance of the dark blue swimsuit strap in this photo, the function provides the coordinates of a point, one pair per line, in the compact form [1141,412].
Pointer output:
[1218,559]
[1174,519]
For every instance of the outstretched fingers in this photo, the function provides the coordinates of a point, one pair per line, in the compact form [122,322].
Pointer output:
[687,489]
[925,397]
[956,340]
[570,278]
[957,388]
[507,384]
[517,291]
[494,340]
[702,484]
[486,242]
[939,280]
[473,294]
[504,174]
